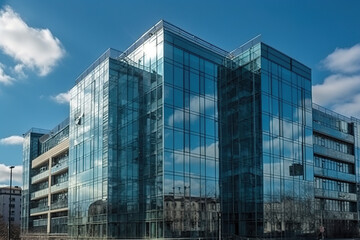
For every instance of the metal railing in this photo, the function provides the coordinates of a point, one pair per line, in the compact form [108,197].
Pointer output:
[192,38]
[39,209]
[59,186]
[109,53]
[60,166]
[252,42]
[40,193]
[335,194]
[40,222]
[59,204]
[40,176]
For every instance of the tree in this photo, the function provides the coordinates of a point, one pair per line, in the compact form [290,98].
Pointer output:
[15,230]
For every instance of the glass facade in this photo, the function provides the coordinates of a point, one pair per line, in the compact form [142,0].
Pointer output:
[266,147]
[30,152]
[240,146]
[175,138]
[144,140]
[191,155]
[287,150]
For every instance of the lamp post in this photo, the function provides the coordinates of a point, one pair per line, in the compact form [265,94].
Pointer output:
[11,168]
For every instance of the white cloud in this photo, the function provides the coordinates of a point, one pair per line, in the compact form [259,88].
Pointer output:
[4,78]
[12,140]
[62,98]
[19,70]
[344,60]
[349,108]
[341,91]
[336,89]
[5,175]
[32,48]
[197,104]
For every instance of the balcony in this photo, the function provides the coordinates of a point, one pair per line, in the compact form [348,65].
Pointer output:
[39,194]
[59,220]
[59,224]
[40,222]
[335,195]
[60,166]
[39,209]
[59,204]
[40,176]
[334,174]
[333,154]
[332,132]
[59,187]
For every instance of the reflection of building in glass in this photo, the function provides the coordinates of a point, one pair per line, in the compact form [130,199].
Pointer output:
[176,138]
[191,217]
[266,154]
[45,178]
[143,126]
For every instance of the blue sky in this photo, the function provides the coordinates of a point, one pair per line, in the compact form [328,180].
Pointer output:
[45,45]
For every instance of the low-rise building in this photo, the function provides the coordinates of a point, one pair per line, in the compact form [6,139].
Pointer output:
[15,204]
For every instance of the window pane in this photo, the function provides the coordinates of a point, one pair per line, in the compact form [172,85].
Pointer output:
[178,77]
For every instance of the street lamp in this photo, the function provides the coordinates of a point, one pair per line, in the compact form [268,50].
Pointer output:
[11,168]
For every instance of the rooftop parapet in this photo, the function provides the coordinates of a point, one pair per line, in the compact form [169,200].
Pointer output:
[162,24]
[333,114]
[37,130]
[55,130]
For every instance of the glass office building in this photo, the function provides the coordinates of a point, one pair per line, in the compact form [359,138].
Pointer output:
[176,138]
[144,141]
[266,152]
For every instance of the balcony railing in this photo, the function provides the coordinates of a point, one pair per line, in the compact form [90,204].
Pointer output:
[41,193]
[334,174]
[39,209]
[335,195]
[332,132]
[59,224]
[59,220]
[60,166]
[333,154]
[40,222]
[59,204]
[59,186]
[40,176]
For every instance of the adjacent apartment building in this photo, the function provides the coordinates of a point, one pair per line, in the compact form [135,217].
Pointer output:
[14,203]
[45,182]
[176,138]
[336,174]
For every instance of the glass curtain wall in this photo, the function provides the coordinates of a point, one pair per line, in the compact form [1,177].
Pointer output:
[136,143]
[288,164]
[88,158]
[115,165]
[191,155]
[266,151]
[137,105]
[241,169]
[31,150]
